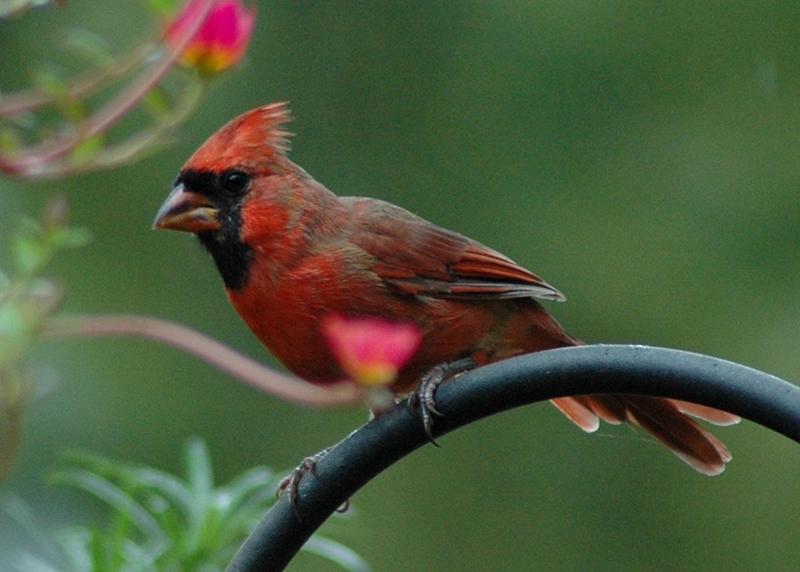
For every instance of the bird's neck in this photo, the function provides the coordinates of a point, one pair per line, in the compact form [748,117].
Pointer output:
[231,255]
[279,228]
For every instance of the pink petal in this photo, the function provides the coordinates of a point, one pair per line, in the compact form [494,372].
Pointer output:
[370,349]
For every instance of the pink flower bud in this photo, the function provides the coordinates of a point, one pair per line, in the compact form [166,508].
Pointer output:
[222,39]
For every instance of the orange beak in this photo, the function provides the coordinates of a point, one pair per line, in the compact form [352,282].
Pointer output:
[186,211]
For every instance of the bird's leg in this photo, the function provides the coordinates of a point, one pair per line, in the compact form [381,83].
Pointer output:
[425,391]
[424,394]
[290,483]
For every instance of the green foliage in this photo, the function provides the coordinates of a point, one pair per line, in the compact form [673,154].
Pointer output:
[88,149]
[157,102]
[9,8]
[162,522]
[49,81]
[37,241]
[90,46]
[26,301]
[164,8]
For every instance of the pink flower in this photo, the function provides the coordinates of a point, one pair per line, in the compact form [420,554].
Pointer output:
[222,39]
[370,350]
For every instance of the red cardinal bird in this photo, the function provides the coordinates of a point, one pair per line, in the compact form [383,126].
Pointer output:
[291,252]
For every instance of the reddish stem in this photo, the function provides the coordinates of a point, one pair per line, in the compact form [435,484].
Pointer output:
[33,159]
[30,99]
[209,350]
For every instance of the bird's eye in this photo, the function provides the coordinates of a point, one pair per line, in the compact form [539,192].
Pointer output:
[234,182]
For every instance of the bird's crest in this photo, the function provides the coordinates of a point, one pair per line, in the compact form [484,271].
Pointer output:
[253,136]
[266,121]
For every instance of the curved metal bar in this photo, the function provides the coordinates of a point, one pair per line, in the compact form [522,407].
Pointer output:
[531,378]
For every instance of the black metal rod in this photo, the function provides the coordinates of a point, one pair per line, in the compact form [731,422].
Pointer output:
[531,378]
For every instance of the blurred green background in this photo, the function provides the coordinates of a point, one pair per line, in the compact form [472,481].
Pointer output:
[641,157]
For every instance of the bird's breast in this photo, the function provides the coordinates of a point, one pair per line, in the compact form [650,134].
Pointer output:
[284,306]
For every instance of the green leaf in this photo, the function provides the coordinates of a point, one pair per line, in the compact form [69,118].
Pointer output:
[74,110]
[9,8]
[23,516]
[122,502]
[164,522]
[87,149]
[171,488]
[72,237]
[337,553]
[9,139]
[249,488]
[80,547]
[157,102]
[164,8]
[197,463]
[89,45]
[49,81]
[30,252]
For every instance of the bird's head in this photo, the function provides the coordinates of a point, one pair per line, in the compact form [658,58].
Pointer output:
[228,170]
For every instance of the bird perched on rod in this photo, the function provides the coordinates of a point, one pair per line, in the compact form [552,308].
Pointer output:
[291,252]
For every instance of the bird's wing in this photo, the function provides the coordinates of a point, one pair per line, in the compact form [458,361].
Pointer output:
[416,257]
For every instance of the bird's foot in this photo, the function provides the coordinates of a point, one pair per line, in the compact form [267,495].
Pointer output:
[291,482]
[424,394]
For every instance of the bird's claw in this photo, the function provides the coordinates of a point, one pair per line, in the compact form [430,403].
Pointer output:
[424,394]
[291,482]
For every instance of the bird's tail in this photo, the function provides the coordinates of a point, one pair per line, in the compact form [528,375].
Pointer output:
[668,420]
